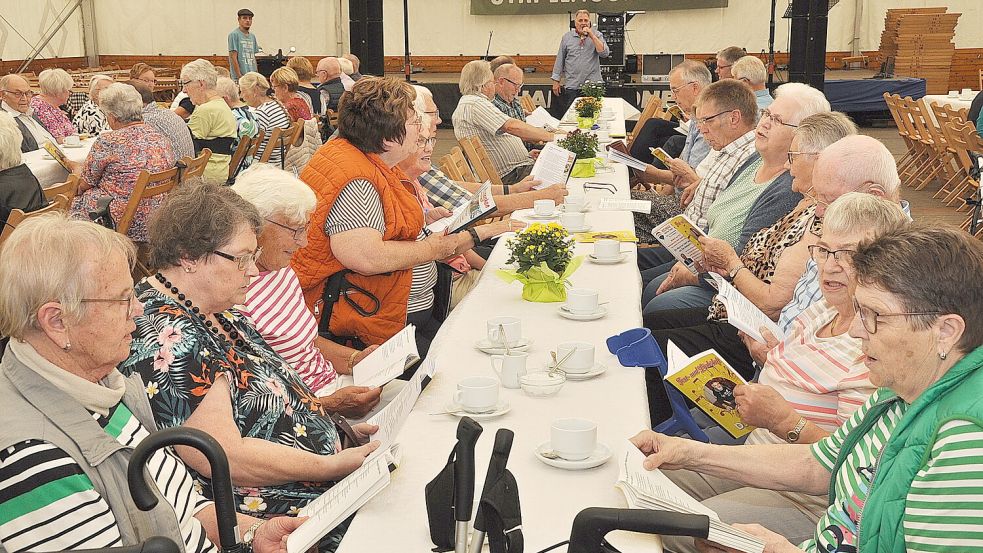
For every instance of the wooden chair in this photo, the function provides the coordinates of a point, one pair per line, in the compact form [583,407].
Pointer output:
[68,189]
[296,137]
[527,104]
[58,203]
[653,108]
[894,106]
[456,166]
[193,166]
[946,117]
[147,186]
[274,144]
[981,78]
[475,151]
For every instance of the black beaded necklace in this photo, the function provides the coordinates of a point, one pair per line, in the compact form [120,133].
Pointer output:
[226,326]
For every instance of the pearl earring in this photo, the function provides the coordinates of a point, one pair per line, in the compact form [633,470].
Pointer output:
[942,355]
[67,346]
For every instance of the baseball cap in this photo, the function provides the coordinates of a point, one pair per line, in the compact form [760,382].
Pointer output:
[244,11]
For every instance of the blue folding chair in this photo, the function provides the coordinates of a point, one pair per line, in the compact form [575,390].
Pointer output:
[638,348]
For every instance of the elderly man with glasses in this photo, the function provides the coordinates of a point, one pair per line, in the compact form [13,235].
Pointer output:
[16,94]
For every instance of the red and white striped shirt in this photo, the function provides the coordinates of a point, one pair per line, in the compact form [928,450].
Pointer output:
[275,303]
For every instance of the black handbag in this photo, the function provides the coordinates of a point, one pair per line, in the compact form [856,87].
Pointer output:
[442,290]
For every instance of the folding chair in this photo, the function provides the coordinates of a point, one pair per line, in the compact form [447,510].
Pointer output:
[456,166]
[17,216]
[68,189]
[277,139]
[480,162]
[193,167]
[653,108]
[527,104]
[147,186]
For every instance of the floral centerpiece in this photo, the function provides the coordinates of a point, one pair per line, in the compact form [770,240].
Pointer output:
[544,256]
[584,145]
[587,108]
[594,90]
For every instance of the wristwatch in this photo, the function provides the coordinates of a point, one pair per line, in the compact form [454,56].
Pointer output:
[247,538]
[475,239]
[733,273]
[793,435]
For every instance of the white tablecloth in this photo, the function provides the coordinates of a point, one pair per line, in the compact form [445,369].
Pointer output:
[958,102]
[50,172]
[396,519]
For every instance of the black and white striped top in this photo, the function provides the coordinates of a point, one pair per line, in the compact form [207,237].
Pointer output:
[47,503]
[269,116]
[358,206]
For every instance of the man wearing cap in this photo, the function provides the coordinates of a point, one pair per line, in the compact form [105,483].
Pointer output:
[242,46]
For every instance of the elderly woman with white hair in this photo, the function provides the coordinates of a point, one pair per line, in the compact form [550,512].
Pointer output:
[212,124]
[245,121]
[90,119]
[56,85]
[116,159]
[270,114]
[66,300]
[275,300]
[19,188]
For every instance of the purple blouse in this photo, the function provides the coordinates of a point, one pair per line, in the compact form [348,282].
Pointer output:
[52,118]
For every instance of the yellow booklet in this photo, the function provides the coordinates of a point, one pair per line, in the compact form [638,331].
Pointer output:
[59,155]
[619,235]
[708,381]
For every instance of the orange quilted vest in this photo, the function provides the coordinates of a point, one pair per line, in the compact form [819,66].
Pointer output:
[333,166]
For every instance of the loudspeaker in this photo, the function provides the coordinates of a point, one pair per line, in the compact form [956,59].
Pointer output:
[365,34]
[807,44]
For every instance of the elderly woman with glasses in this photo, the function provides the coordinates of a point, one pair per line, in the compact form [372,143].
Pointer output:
[90,119]
[212,124]
[902,472]
[207,367]
[284,82]
[70,419]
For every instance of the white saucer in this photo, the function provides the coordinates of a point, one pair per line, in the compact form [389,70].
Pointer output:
[596,370]
[584,228]
[607,260]
[487,346]
[554,215]
[567,314]
[600,456]
[458,411]
[69,146]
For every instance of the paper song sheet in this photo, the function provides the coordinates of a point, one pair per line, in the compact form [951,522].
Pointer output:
[542,119]
[682,238]
[742,313]
[389,361]
[553,165]
[621,157]
[481,204]
[613,204]
[393,416]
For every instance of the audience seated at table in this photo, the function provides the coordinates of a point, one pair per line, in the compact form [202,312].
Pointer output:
[55,85]
[269,113]
[212,124]
[116,159]
[275,301]
[330,88]
[367,229]
[752,72]
[500,134]
[17,102]
[305,72]
[284,83]
[907,460]
[167,123]
[759,194]
[70,420]
[19,188]
[89,119]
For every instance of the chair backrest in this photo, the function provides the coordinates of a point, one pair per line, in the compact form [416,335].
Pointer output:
[526,101]
[194,166]
[272,144]
[296,137]
[456,166]
[963,138]
[59,202]
[68,189]
[893,106]
[148,185]
[653,108]
[930,125]
[480,162]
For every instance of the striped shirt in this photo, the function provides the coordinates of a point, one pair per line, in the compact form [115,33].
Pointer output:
[271,115]
[477,116]
[726,163]
[358,206]
[275,303]
[47,503]
[728,213]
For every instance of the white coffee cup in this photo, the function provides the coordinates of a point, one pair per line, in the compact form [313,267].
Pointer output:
[72,140]
[504,330]
[607,249]
[572,220]
[582,301]
[953,93]
[573,439]
[510,367]
[544,208]
[574,204]
[967,91]
[477,394]
[578,362]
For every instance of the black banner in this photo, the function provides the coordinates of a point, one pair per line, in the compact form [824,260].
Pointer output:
[536,7]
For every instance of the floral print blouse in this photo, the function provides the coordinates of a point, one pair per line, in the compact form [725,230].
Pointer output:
[114,162]
[90,120]
[179,358]
[52,118]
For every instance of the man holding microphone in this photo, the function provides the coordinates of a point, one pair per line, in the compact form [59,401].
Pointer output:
[577,62]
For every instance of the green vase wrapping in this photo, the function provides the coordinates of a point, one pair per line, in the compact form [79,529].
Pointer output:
[542,284]
[585,122]
[583,168]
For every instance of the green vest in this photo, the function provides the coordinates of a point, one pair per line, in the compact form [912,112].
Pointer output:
[954,396]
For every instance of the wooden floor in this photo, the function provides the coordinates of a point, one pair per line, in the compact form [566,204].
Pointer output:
[923,206]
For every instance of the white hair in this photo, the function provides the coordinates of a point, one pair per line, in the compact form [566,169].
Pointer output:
[200,70]
[347,67]
[123,102]
[819,130]
[276,192]
[857,212]
[808,100]
[227,88]
[49,258]
[10,139]
[474,74]
[862,163]
[254,81]
[750,68]
[55,81]
[693,71]
[95,80]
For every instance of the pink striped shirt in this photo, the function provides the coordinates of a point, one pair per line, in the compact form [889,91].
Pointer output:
[275,303]
[822,378]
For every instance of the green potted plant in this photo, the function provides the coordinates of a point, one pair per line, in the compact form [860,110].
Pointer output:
[543,255]
[587,109]
[593,90]
[584,145]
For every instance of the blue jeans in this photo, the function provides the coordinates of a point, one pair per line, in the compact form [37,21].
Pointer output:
[684,297]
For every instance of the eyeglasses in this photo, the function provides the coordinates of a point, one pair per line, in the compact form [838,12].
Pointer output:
[675,89]
[792,155]
[704,120]
[868,317]
[148,81]
[515,84]
[820,254]
[19,93]
[776,119]
[130,300]
[605,186]
[435,113]
[183,84]
[297,232]
[244,260]
[719,67]
[426,142]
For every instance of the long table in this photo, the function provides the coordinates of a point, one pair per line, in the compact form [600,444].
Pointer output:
[396,519]
[48,171]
